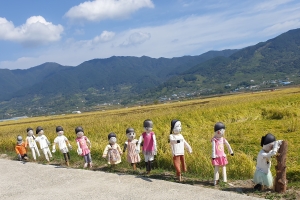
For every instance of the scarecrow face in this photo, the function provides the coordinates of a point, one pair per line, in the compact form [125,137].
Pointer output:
[60,133]
[80,134]
[220,133]
[112,140]
[130,135]
[177,127]
[147,129]
[148,126]
[19,139]
[41,133]
[267,142]
[30,133]
[268,147]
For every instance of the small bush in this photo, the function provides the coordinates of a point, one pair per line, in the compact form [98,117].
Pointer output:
[277,113]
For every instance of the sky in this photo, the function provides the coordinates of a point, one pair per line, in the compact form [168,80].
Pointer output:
[33,32]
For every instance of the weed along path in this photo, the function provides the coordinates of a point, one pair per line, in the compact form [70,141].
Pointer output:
[28,180]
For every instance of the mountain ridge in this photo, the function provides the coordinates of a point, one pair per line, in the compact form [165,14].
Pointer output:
[275,59]
[126,80]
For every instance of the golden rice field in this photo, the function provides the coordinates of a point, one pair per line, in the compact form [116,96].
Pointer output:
[247,118]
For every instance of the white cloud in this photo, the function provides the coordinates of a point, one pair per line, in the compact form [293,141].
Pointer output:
[196,34]
[189,35]
[281,27]
[136,38]
[34,32]
[269,5]
[98,10]
[104,37]
[20,63]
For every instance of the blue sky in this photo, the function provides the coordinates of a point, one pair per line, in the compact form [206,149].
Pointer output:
[33,32]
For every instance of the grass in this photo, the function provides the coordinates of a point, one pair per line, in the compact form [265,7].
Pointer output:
[247,118]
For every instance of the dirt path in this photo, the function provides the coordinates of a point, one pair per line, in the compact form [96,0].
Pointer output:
[20,180]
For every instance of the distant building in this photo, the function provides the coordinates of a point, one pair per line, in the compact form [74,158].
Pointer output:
[285,82]
[253,87]
[76,112]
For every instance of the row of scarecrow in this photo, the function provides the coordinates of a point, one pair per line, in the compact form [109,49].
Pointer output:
[147,141]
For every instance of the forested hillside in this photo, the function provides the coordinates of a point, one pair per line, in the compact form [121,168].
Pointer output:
[267,64]
[54,88]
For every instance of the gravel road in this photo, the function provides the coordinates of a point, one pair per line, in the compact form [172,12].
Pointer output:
[28,180]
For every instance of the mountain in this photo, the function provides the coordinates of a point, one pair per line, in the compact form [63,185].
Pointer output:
[52,88]
[138,73]
[12,81]
[56,87]
[261,65]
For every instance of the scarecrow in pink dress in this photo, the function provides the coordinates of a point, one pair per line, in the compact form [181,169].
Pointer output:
[132,156]
[178,144]
[149,145]
[218,156]
[112,151]
[82,147]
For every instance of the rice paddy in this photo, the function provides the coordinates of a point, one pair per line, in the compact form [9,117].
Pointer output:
[247,117]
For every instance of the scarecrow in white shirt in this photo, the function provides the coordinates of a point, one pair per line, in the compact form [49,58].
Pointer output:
[178,144]
[30,141]
[62,142]
[44,142]
[263,176]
